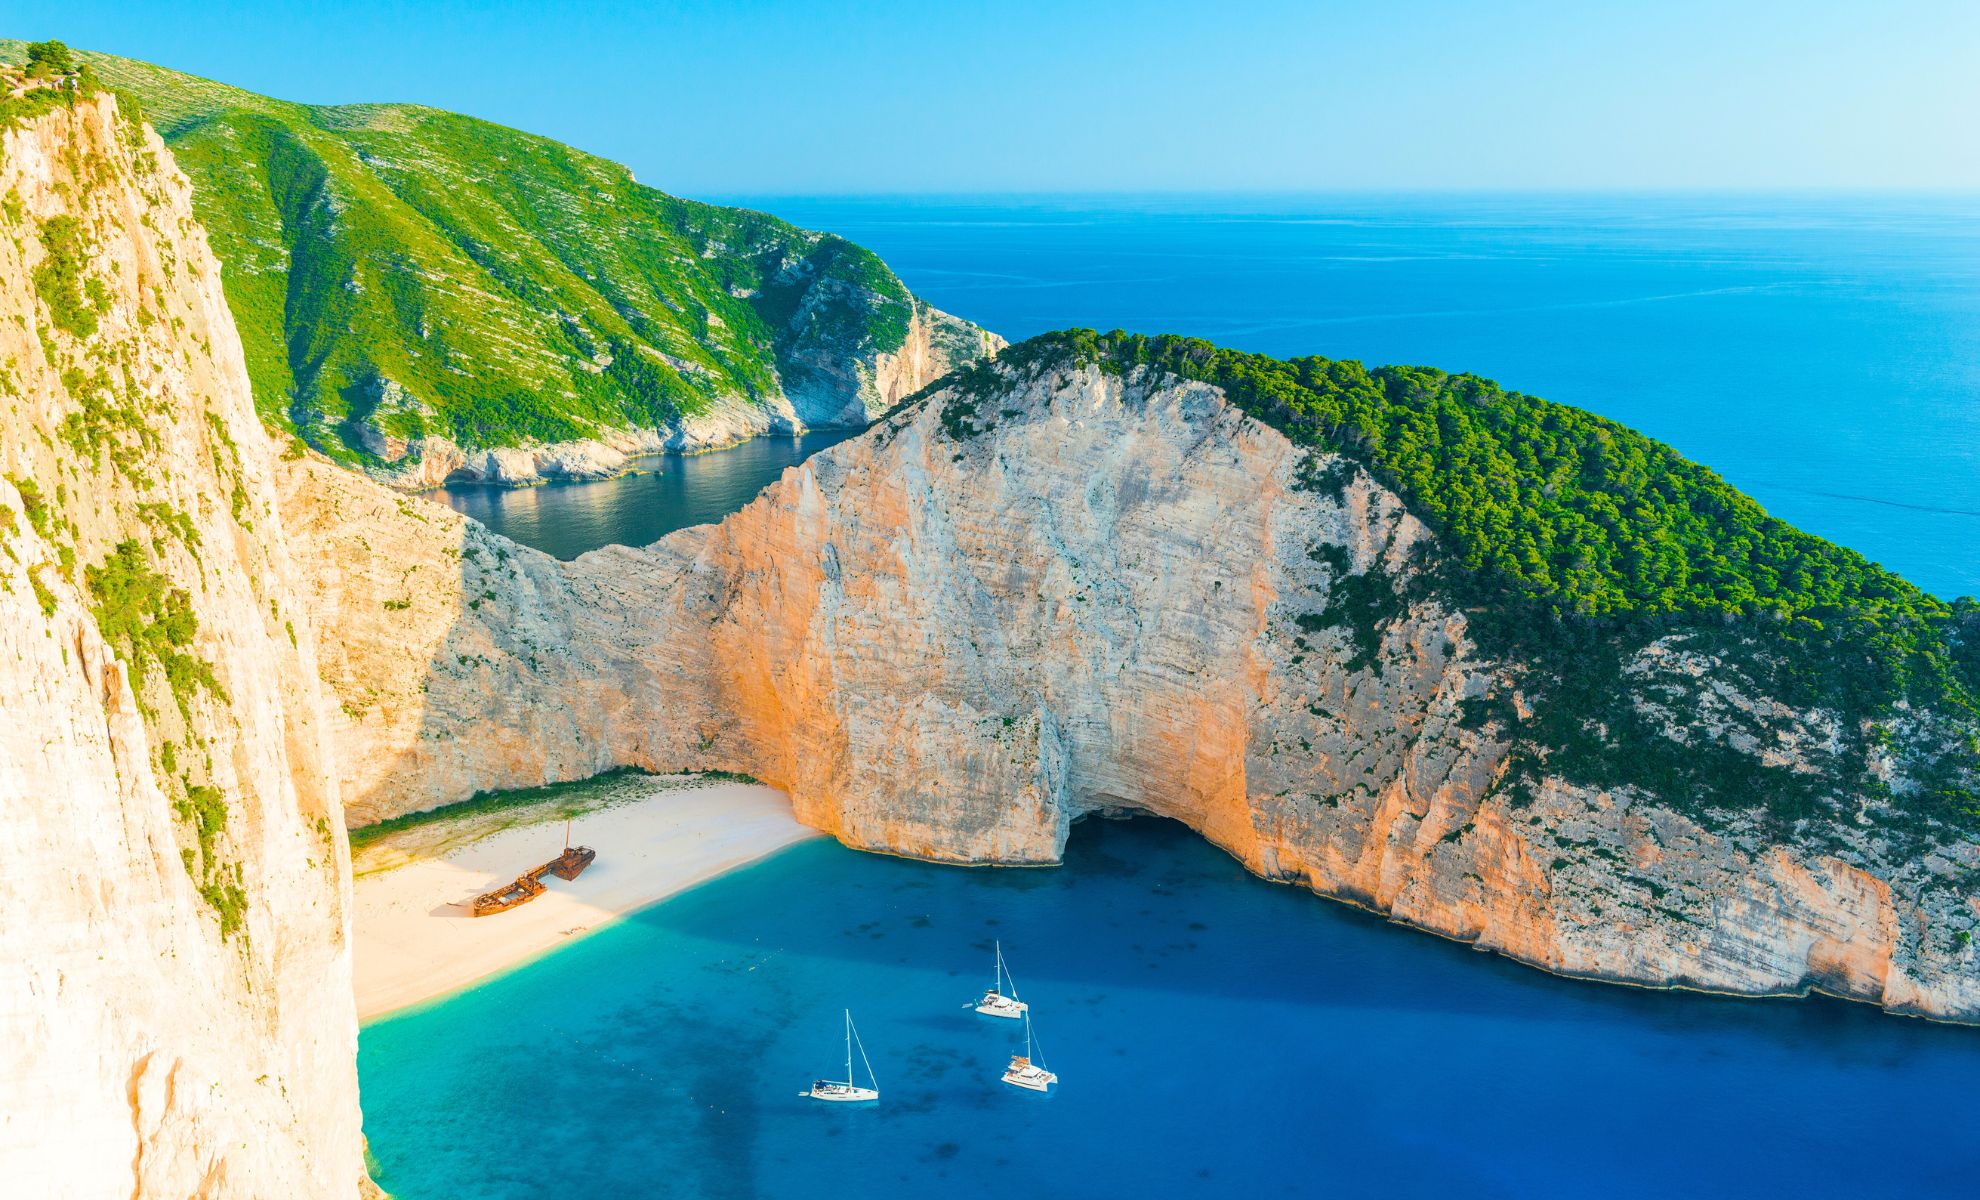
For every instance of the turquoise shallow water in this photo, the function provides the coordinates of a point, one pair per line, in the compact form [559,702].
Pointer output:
[1217,1036]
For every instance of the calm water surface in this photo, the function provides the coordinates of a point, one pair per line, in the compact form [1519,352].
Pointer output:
[671,492]
[1217,1036]
[1822,353]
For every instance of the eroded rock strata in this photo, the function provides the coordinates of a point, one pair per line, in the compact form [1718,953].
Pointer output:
[174,909]
[1103,591]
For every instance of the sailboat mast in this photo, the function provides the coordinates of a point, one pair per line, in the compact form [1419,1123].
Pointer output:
[849,1047]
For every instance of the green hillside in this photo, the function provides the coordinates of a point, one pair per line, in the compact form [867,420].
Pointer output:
[1573,543]
[512,287]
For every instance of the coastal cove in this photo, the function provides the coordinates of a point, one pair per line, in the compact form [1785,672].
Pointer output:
[416,939]
[1162,977]
[662,493]
[1426,691]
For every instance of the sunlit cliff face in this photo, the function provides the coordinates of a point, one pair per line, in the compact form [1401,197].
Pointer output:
[177,990]
[1116,597]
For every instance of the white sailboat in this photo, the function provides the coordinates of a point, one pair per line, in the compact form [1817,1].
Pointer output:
[846,1091]
[1026,1070]
[995,1003]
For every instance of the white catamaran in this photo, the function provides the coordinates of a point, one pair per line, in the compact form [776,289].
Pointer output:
[1025,1070]
[847,1091]
[995,1003]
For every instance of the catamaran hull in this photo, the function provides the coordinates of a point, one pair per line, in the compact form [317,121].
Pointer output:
[1031,1083]
[1010,1010]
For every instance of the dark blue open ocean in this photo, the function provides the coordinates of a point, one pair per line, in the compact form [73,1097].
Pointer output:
[1822,353]
[1219,1036]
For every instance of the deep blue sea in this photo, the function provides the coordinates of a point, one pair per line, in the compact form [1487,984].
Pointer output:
[1215,1036]
[1822,353]
[1219,1036]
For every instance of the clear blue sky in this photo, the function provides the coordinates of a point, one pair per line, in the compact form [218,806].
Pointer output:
[888,96]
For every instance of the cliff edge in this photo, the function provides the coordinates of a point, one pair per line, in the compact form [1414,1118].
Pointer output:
[174,912]
[1074,582]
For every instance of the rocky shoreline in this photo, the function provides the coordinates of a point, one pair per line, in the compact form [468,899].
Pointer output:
[839,395]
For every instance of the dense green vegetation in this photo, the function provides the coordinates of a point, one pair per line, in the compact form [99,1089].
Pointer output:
[46,63]
[576,795]
[1573,542]
[49,60]
[512,288]
[152,622]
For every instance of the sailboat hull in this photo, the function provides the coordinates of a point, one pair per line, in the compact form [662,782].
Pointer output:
[1002,1006]
[842,1093]
[1032,1079]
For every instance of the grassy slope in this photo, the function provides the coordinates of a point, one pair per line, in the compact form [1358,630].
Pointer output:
[1573,542]
[487,271]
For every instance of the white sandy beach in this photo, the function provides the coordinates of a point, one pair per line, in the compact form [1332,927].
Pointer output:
[415,939]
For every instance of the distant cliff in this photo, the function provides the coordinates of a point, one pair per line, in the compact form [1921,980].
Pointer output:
[421,294]
[175,979]
[1586,729]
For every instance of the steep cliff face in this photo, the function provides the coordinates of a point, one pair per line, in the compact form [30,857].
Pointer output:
[174,908]
[830,388]
[1084,592]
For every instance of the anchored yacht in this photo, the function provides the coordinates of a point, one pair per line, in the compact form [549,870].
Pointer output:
[995,1002]
[846,1091]
[1027,1070]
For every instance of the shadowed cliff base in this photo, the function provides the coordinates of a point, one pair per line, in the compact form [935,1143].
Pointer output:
[1083,579]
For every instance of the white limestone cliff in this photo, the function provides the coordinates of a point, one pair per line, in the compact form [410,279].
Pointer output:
[954,647]
[174,912]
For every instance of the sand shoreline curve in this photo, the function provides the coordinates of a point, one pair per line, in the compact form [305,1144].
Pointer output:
[414,941]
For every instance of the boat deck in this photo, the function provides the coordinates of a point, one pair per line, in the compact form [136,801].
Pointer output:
[529,885]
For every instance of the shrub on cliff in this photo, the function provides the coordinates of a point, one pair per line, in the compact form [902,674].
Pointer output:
[48,60]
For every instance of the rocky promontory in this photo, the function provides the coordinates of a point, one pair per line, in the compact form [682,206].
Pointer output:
[1060,587]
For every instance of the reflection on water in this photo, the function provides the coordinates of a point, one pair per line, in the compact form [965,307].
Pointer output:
[671,492]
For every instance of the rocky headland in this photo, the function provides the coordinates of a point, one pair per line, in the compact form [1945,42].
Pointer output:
[1061,588]
[426,296]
